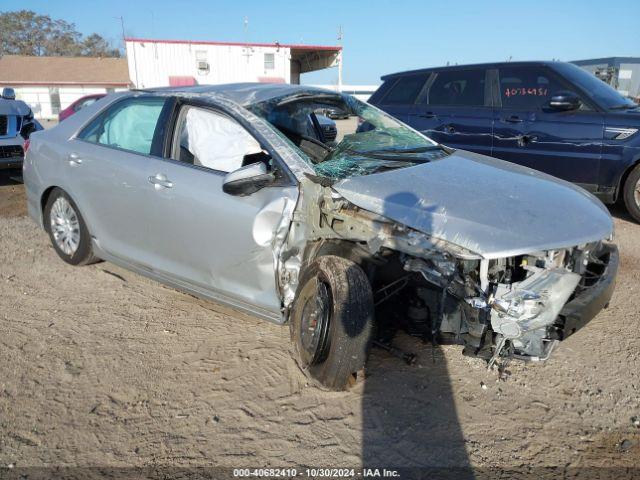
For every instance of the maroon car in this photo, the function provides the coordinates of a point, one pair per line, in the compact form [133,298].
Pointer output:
[79,104]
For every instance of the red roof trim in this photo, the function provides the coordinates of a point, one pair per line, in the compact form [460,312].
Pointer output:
[53,82]
[238,44]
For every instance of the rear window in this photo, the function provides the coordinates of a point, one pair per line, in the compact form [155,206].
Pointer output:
[127,125]
[405,90]
[458,87]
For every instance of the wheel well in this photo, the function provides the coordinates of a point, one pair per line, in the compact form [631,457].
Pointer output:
[43,200]
[624,177]
[350,250]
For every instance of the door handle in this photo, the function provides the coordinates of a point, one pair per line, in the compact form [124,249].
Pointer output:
[160,180]
[449,129]
[512,119]
[74,159]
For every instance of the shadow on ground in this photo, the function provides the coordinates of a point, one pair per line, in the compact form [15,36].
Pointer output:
[410,420]
[409,415]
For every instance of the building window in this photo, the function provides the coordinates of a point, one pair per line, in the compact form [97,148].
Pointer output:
[54,97]
[269,61]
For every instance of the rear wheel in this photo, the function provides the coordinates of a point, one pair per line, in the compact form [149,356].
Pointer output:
[331,321]
[67,230]
[631,193]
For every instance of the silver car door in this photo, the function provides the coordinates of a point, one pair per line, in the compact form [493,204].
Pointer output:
[106,172]
[221,243]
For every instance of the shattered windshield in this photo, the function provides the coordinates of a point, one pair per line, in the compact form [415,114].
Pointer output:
[366,141]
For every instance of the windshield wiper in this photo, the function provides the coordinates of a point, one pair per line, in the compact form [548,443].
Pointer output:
[391,155]
[400,151]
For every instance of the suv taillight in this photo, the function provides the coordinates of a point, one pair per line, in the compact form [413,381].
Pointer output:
[25,145]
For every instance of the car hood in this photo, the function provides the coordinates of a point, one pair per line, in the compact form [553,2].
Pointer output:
[490,207]
[13,107]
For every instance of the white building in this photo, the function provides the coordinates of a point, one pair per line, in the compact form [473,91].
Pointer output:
[51,84]
[160,63]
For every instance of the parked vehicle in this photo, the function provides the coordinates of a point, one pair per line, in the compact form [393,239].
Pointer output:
[328,127]
[225,192]
[336,113]
[551,116]
[16,124]
[79,104]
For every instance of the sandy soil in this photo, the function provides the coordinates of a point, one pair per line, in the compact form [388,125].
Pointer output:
[100,366]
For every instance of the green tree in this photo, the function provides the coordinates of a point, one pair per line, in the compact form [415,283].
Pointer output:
[25,32]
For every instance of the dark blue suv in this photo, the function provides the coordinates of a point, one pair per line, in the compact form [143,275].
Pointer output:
[550,116]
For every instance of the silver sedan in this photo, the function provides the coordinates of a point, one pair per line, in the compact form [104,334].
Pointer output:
[234,193]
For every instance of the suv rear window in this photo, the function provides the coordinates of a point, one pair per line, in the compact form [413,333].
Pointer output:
[405,90]
[458,87]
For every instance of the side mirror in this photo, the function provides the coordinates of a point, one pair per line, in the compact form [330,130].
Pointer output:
[247,180]
[565,101]
[8,93]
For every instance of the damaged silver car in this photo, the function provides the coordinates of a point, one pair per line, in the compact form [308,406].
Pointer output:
[233,193]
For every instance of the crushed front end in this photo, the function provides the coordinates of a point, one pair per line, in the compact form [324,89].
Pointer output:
[530,302]
[516,307]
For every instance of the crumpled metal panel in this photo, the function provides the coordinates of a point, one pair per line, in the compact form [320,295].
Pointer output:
[488,206]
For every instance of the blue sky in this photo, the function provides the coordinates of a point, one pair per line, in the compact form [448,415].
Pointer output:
[379,36]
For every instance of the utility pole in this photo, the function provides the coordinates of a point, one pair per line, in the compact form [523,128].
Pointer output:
[248,51]
[124,43]
[340,59]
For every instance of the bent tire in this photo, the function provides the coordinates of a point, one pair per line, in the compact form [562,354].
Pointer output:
[631,193]
[67,230]
[331,321]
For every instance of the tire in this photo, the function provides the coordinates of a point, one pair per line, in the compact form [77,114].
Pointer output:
[631,193]
[335,299]
[62,213]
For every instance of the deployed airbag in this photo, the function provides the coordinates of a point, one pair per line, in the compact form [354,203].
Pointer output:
[217,142]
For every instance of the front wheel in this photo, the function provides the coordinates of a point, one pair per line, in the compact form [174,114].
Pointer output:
[331,321]
[67,230]
[631,193]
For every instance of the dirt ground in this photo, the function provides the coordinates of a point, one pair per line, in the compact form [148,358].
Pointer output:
[102,367]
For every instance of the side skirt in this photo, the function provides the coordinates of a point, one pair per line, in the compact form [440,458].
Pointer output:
[196,290]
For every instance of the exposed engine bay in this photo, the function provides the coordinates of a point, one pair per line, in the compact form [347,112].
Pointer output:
[498,308]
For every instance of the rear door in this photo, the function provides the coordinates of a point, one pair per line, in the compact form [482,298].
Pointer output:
[399,98]
[455,109]
[564,144]
[106,170]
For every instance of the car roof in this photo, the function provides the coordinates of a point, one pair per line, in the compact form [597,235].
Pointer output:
[476,65]
[245,93]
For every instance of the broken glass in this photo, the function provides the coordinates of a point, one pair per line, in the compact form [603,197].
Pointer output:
[375,143]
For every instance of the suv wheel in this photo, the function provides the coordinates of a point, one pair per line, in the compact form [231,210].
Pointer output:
[331,321]
[631,193]
[67,229]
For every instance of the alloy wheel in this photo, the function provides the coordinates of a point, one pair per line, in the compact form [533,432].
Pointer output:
[65,226]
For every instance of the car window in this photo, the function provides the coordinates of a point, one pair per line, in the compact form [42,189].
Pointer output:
[458,87]
[212,140]
[527,88]
[128,125]
[405,90]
